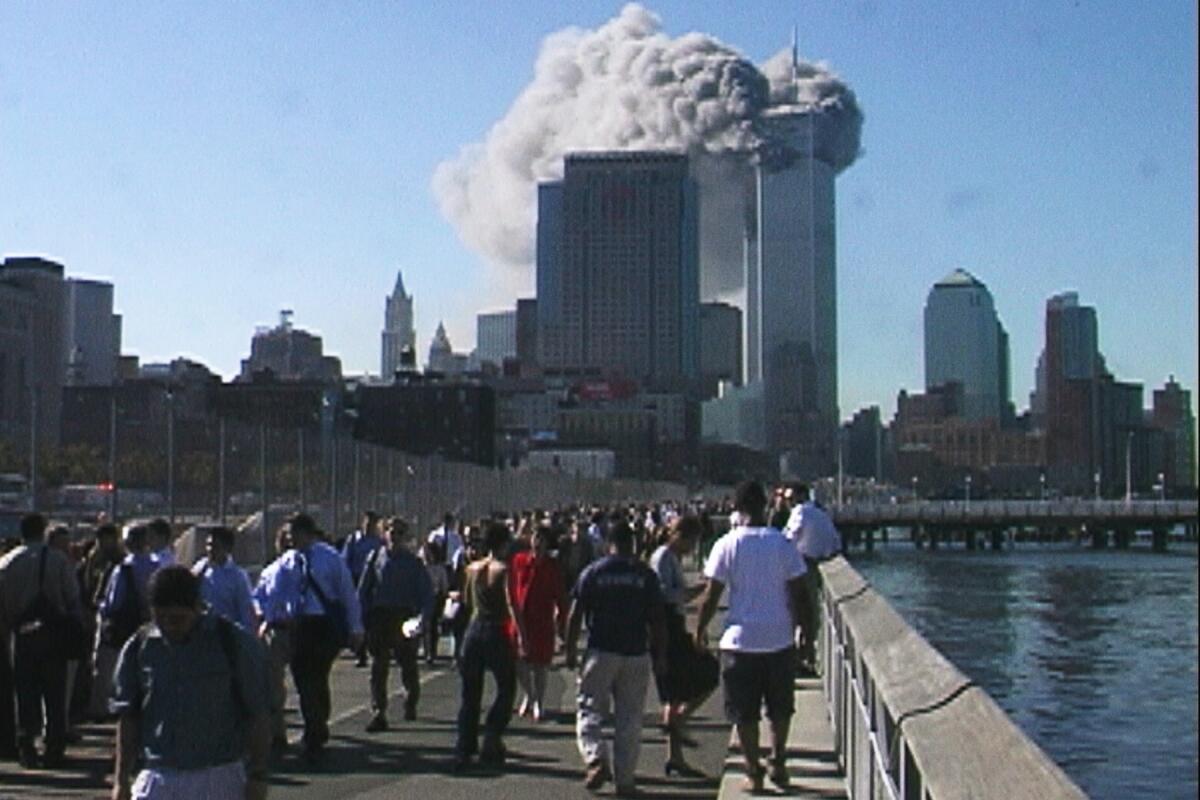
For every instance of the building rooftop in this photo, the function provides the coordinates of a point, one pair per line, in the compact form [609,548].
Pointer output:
[960,278]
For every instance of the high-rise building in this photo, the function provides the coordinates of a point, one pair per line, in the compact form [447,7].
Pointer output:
[93,333]
[42,282]
[442,357]
[290,354]
[16,353]
[791,289]
[965,343]
[720,346]
[527,325]
[549,257]
[399,335]
[618,269]
[496,336]
[1173,414]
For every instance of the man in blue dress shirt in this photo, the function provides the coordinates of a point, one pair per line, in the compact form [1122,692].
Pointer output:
[224,586]
[355,552]
[277,601]
[327,593]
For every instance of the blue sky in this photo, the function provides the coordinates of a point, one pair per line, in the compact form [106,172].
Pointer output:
[222,161]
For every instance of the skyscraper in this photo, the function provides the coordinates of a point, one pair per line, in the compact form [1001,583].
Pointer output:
[496,336]
[791,288]
[46,365]
[618,269]
[965,343]
[720,345]
[93,333]
[398,331]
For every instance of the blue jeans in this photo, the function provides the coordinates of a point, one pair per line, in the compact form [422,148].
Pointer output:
[485,648]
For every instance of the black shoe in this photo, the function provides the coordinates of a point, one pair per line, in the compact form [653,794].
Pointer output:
[410,712]
[682,769]
[460,763]
[377,724]
[28,757]
[314,755]
[493,752]
[53,759]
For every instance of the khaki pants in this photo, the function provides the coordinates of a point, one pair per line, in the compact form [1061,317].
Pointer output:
[609,680]
[278,642]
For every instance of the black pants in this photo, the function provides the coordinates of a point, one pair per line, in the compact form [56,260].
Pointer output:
[8,708]
[314,649]
[384,640]
[40,675]
[485,648]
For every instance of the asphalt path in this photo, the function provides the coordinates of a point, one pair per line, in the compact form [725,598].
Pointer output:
[412,759]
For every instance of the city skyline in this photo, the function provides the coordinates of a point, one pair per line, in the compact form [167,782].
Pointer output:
[975,162]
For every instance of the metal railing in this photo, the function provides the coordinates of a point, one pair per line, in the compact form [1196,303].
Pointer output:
[1030,511]
[907,724]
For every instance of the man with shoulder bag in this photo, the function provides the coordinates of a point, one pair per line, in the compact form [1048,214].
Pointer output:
[39,607]
[329,617]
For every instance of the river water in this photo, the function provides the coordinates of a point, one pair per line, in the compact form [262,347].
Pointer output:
[1092,653]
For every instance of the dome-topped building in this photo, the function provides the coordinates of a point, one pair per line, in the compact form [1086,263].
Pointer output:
[965,343]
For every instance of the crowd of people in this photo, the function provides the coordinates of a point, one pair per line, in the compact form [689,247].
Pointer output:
[192,661]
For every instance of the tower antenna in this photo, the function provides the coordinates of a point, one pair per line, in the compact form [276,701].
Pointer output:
[795,53]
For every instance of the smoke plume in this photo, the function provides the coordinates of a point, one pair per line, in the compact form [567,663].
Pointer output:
[628,86]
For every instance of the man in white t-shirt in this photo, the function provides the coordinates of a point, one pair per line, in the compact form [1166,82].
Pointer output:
[817,539]
[765,576]
[810,527]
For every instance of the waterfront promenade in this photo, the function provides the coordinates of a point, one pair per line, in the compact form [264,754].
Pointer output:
[412,759]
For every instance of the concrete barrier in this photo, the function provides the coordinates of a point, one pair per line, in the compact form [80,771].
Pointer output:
[907,723]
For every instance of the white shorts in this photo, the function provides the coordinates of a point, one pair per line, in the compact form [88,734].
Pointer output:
[210,783]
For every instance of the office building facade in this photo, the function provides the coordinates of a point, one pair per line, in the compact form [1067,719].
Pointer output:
[93,333]
[399,335]
[496,337]
[965,343]
[791,290]
[618,269]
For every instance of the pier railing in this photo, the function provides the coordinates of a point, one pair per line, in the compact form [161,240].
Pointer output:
[907,724]
[1031,512]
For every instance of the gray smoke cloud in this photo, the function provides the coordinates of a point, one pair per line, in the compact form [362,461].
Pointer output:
[628,86]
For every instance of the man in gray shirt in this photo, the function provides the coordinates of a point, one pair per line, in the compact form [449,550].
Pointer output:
[191,695]
[38,588]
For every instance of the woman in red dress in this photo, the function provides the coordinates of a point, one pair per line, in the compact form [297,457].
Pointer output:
[540,596]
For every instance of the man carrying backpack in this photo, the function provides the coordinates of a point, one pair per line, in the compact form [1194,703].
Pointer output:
[38,593]
[192,699]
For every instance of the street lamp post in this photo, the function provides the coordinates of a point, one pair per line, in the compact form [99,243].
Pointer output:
[33,447]
[967,482]
[171,455]
[1096,482]
[1129,468]
[1162,487]
[112,455]
[221,469]
[916,495]
[1042,487]
[303,498]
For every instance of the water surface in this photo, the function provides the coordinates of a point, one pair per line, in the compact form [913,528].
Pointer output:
[1092,653]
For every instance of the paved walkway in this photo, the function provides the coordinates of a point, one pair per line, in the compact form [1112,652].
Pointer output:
[811,760]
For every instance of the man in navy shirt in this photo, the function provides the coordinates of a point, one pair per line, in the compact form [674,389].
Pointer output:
[622,603]
[395,588]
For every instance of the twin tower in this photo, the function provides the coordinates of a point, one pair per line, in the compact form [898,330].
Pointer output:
[618,277]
